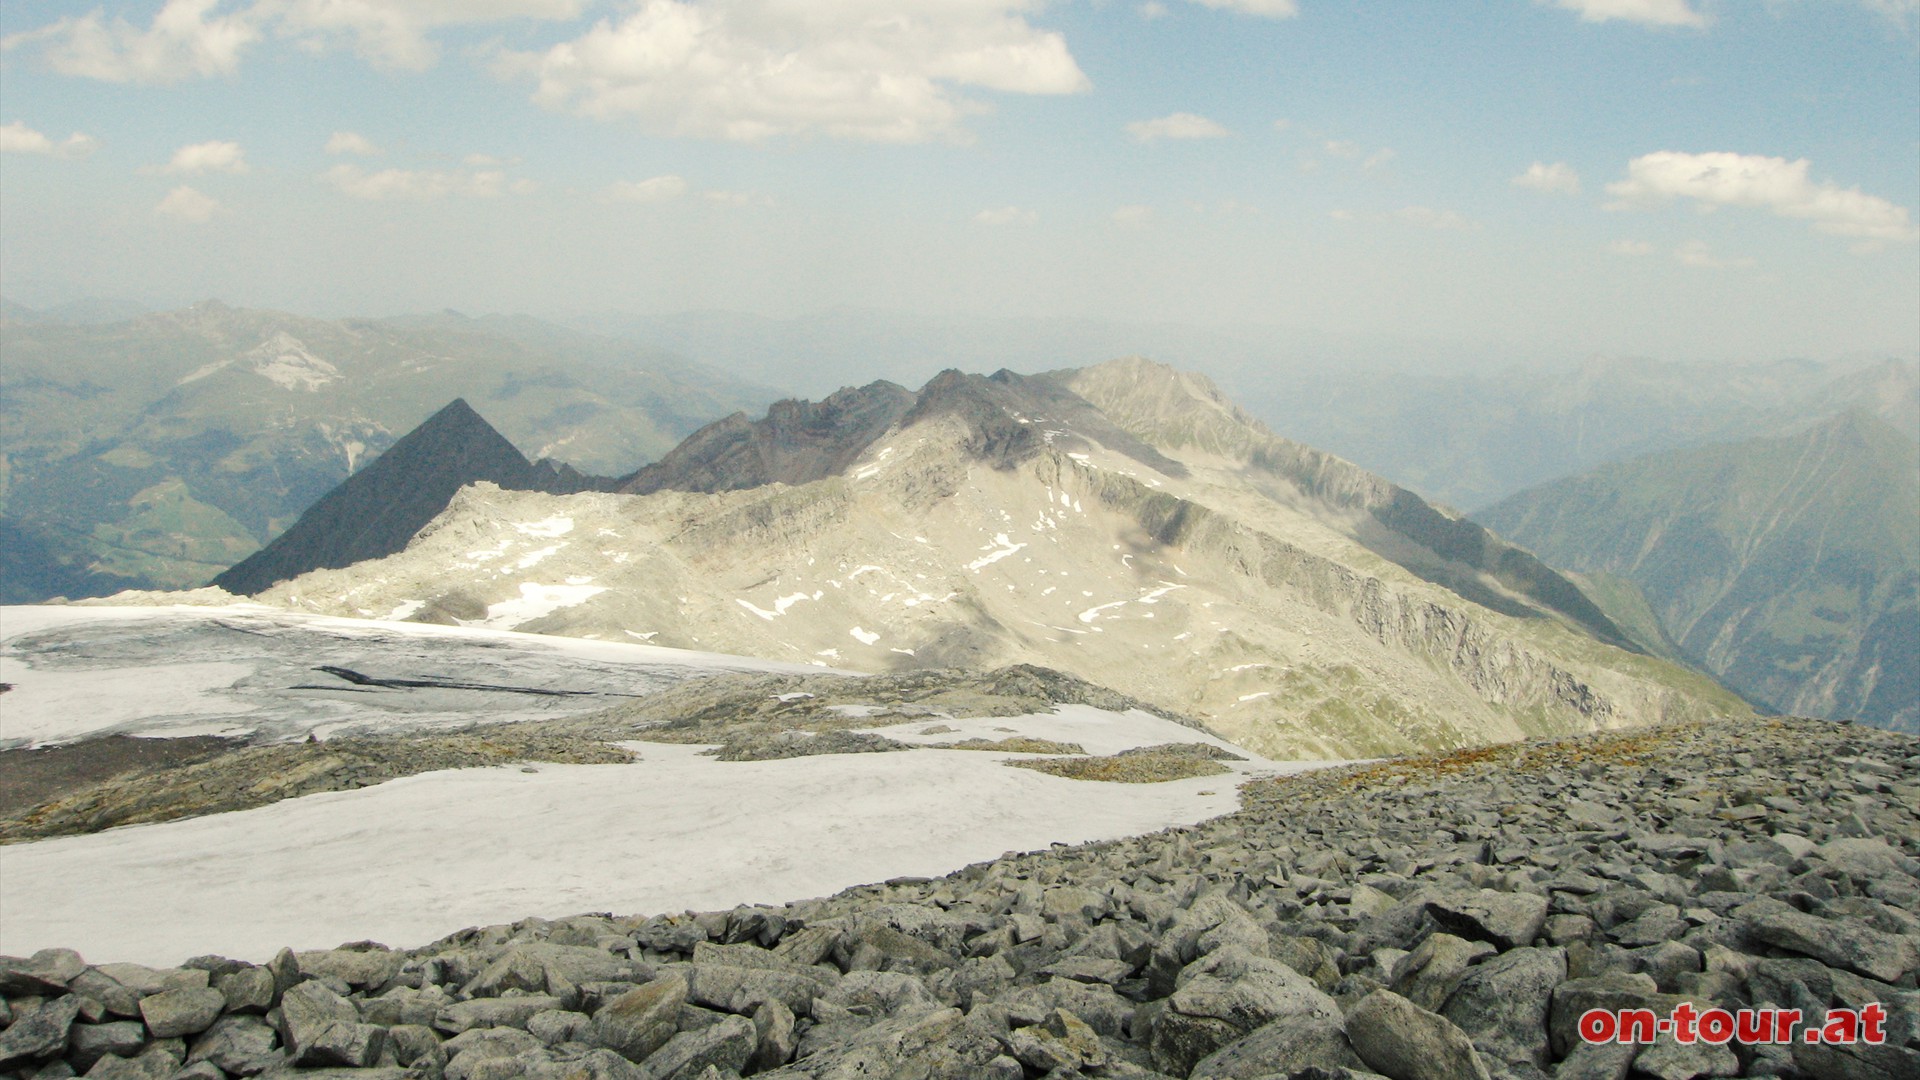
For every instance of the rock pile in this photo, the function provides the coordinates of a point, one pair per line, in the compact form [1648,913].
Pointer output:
[1440,918]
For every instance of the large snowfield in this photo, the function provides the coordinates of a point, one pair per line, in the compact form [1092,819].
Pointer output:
[410,860]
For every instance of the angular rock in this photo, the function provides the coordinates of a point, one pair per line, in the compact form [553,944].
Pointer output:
[726,1046]
[1286,1047]
[739,989]
[361,968]
[1225,997]
[237,1044]
[172,1013]
[1870,952]
[637,1023]
[38,1032]
[249,990]
[1428,974]
[775,1037]
[46,973]
[1403,1041]
[1508,920]
[88,1043]
[1503,1003]
[555,1026]
[513,1012]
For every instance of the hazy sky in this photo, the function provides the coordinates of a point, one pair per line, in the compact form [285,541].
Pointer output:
[1685,179]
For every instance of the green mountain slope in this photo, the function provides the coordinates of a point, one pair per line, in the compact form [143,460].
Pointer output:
[157,451]
[1789,566]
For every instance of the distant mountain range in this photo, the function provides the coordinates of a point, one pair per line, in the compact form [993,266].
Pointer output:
[1472,440]
[156,451]
[1789,566]
[1125,523]
[1465,425]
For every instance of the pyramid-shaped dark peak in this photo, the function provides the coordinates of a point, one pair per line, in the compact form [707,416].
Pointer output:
[376,511]
[797,442]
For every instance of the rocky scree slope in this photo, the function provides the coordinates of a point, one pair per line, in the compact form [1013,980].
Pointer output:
[1787,566]
[1435,918]
[1141,535]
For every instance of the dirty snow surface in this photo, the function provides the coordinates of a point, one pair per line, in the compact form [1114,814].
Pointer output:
[79,672]
[408,861]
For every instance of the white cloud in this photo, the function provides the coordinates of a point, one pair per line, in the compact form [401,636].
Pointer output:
[737,198]
[1644,12]
[394,33]
[1903,13]
[204,157]
[1177,126]
[185,204]
[1769,183]
[755,69]
[1696,253]
[1629,248]
[1557,178]
[1377,158]
[1152,9]
[1282,124]
[1272,9]
[657,189]
[17,138]
[1428,218]
[421,184]
[1007,215]
[347,142]
[1132,217]
[190,38]
[1341,148]
[184,40]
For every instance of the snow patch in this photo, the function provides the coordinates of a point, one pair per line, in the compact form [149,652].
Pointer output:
[864,637]
[537,602]
[546,529]
[1001,547]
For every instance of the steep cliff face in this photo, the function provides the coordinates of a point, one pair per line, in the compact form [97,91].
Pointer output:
[1009,519]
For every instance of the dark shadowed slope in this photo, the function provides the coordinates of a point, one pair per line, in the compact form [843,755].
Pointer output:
[378,509]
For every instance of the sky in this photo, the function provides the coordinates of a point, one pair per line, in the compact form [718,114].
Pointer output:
[1681,179]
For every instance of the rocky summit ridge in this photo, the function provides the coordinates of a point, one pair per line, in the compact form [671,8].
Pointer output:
[1123,523]
[1447,917]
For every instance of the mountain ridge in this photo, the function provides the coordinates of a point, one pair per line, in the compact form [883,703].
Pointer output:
[1007,519]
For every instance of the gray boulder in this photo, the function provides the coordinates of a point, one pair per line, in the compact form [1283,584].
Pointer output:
[1503,1004]
[641,1020]
[727,1046]
[172,1013]
[239,1045]
[1285,1047]
[1403,1041]
[38,1032]
[1508,920]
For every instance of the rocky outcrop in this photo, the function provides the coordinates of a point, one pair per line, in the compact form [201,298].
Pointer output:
[796,443]
[1419,919]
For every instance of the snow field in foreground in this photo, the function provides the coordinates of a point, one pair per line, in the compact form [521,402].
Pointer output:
[413,859]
